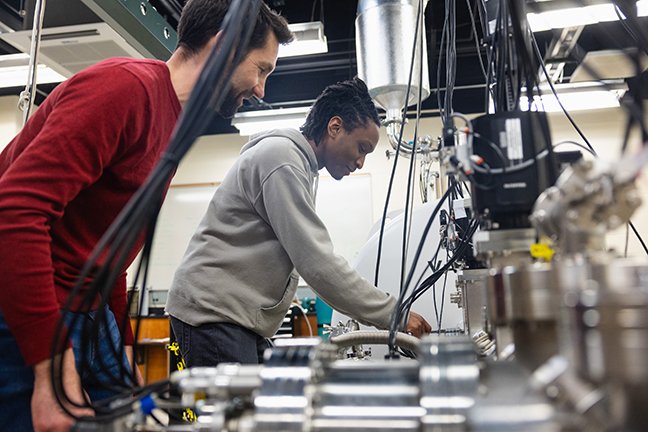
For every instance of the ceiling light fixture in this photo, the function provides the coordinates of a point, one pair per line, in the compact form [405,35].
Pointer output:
[252,122]
[309,38]
[578,97]
[15,67]
[579,16]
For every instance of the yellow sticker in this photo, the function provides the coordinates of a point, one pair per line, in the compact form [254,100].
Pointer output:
[542,251]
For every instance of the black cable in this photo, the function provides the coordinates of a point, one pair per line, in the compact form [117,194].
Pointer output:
[107,260]
[410,175]
[451,62]
[573,123]
[577,144]
[501,53]
[641,240]
[398,147]
[432,279]
[435,304]
[555,93]
[476,36]
[491,55]
[444,32]
[634,107]
[458,188]
[396,318]
[627,28]
[434,265]
[524,46]
[465,186]
[631,24]
[443,291]
[498,151]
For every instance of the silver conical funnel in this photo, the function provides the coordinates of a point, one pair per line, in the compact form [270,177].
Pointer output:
[384,41]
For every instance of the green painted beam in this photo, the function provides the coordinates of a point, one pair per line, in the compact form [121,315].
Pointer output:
[139,24]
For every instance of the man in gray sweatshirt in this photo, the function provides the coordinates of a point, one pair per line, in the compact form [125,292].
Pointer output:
[239,273]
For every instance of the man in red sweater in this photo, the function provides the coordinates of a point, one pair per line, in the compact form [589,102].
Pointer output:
[68,174]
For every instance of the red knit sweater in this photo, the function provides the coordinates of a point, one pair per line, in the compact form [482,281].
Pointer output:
[65,178]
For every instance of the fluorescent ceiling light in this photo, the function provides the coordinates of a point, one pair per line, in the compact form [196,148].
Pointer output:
[579,16]
[574,101]
[252,122]
[14,69]
[309,39]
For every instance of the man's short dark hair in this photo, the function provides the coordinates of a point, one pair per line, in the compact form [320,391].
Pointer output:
[349,100]
[202,19]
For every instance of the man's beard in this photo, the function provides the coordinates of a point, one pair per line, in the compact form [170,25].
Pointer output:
[231,104]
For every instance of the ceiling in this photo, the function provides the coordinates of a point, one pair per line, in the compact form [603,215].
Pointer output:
[297,81]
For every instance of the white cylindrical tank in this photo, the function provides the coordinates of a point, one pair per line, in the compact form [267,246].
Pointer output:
[389,277]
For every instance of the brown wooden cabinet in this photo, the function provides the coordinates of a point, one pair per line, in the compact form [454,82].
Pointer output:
[152,355]
[301,325]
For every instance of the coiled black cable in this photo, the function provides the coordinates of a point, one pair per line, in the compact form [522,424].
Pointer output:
[138,217]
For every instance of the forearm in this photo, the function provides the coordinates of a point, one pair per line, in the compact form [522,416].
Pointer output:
[47,413]
[347,292]
[27,299]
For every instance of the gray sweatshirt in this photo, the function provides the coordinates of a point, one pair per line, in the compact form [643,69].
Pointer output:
[259,228]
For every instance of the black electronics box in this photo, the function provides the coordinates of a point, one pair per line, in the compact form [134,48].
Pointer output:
[518,164]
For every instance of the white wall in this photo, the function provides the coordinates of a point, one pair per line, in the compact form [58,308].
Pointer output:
[211,157]
[10,119]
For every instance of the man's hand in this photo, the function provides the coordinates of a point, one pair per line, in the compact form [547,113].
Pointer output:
[47,415]
[417,326]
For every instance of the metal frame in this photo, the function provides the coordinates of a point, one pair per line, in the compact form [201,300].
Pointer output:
[139,24]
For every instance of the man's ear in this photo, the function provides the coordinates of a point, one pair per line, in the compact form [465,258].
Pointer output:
[213,40]
[334,126]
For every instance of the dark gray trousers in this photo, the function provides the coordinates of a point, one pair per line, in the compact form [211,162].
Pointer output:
[211,344]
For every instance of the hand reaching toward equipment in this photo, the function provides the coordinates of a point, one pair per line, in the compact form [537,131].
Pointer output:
[417,325]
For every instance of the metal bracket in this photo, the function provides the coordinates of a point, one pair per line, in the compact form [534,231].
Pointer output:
[139,24]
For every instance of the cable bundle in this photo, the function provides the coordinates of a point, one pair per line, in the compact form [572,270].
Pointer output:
[139,216]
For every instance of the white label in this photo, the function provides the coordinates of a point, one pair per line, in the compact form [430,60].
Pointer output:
[518,185]
[491,26]
[514,149]
[459,208]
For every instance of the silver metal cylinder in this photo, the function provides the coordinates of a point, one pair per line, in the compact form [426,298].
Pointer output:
[449,380]
[606,310]
[472,287]
[281,402]
[366,396]
[384,42]
[534,313]
[613,316]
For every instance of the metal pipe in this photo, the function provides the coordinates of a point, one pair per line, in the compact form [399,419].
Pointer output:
[403,340]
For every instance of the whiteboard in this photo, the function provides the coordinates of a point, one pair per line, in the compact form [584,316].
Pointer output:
[344,206]
[182,211]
